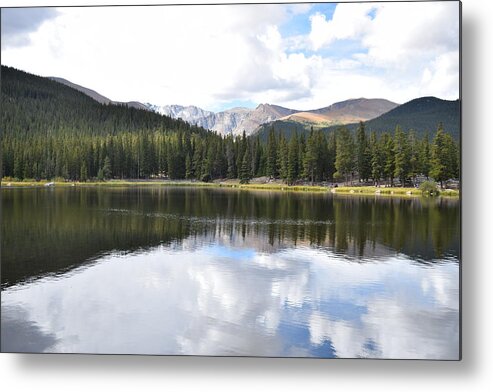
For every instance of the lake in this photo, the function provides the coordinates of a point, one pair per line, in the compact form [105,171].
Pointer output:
[210,271]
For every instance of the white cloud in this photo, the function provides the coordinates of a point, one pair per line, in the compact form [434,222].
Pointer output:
[409,49]
[209,56]
[188,55]
[349,21]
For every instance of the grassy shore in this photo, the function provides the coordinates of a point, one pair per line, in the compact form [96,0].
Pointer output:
[345,190]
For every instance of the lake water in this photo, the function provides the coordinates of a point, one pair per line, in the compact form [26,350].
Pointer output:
[184,271]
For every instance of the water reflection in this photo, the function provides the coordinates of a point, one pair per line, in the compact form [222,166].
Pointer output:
[219,301]
[66,227]
[211,272]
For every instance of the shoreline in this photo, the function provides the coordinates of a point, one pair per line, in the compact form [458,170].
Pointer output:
[342,190]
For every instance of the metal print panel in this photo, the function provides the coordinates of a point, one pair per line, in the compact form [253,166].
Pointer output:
[278,180]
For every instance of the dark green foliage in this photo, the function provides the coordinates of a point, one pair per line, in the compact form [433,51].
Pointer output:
[429,188]
[421,114]
[271,168]
[83,172]
[282,158]
[345,156]
[107,168]
[377,161]
[293,164]
[363,155]
[100,175]
[206,178]
[389,158]
[310,161]
[245,169]
[401,156]
[444,162]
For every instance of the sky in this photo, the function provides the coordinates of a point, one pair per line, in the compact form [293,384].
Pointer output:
[301,56]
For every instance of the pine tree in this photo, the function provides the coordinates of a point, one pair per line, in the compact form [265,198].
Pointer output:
[363,158]
[321,173]
[107,168]
[377,161]
[311,157]
[401,156]
[345,160]
[331,156]
[444,163]
[282,158]
[256,157]
[293,152]
[414,166]
[83,172]
[271,169]
[425,156]
[387,148]
[230,158]
[245,171]
[241,146]
[188,168]
[18,167]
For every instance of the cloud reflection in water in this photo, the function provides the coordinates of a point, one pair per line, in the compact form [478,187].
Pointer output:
[216,300]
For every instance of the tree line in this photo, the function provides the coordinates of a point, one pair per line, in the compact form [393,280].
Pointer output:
[340,156]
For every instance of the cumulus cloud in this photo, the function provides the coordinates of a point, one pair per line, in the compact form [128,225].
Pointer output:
[410,48]
[349,21]
[211,55]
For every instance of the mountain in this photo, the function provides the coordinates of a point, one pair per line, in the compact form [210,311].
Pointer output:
[337,114]
[232,121]
[421,115]
[345,112]
[96,96]
[190,114]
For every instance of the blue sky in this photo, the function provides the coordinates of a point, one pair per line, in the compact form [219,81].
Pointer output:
[301,56]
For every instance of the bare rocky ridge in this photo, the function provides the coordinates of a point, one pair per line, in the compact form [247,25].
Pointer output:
[232,121]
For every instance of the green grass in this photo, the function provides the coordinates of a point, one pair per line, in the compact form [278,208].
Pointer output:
[356,190]
[391,191]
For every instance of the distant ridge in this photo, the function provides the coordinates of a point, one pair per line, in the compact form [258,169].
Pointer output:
[96,96]
[421,115]
[344,112]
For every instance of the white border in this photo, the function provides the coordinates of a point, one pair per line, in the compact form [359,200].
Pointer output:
[125,373]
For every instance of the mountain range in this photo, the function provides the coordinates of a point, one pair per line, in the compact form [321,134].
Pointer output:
[421,114]
[235,121]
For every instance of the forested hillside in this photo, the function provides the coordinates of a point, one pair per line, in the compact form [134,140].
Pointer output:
[421,115]
[53,131]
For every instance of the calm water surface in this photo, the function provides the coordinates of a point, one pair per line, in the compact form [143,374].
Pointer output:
[225,272]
